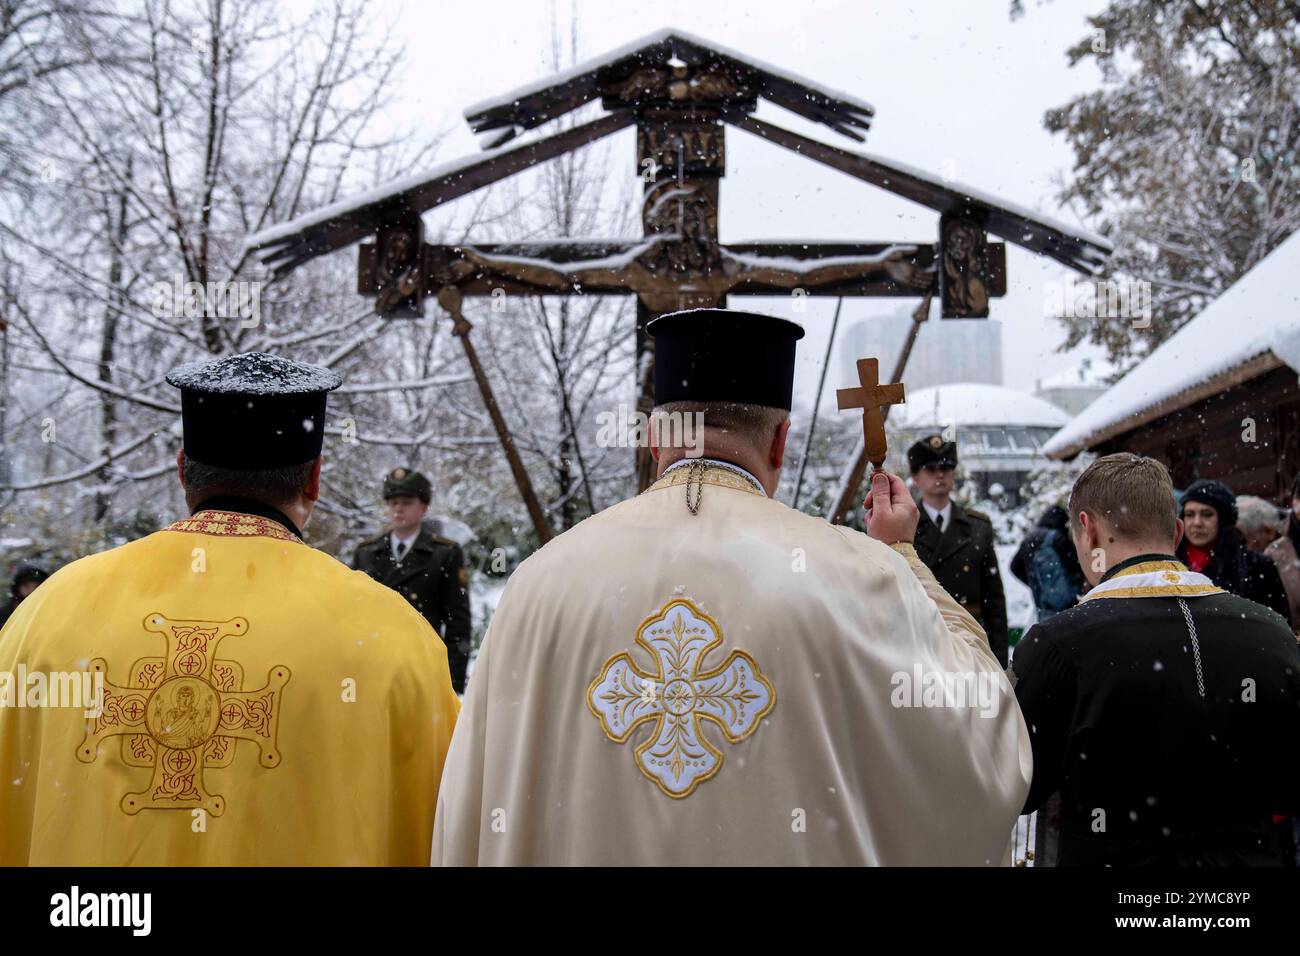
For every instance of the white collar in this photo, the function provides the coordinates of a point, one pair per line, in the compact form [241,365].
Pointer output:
[717,463]
[1154,579]
[394,540]
[934,513]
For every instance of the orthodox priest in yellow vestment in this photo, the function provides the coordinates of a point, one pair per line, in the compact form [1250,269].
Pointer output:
[255,700]
[701,675]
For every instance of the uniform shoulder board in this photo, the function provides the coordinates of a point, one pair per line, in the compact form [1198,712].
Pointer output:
[978,515]
[439,539]
[377,539]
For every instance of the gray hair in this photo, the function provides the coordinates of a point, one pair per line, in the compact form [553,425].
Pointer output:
[1256,514]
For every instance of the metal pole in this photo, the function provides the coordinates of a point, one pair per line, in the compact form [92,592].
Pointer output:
[812,423]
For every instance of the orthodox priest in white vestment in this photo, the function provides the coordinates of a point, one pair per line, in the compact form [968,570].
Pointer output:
[702,675]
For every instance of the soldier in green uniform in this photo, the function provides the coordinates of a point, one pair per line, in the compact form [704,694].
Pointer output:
[956,543]
[427,570]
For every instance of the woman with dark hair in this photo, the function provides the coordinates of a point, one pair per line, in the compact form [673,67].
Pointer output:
[1213,546]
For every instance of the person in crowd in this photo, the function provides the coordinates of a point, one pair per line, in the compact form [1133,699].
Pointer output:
[258,703]
[425,568]
[1259,521]
[1046,563]
[1213,546]
[956,543]
[691,697]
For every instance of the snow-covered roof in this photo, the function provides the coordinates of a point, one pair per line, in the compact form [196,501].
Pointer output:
[792,264]
[505,115]
[1256,320]
[973,403]
[1074,246]
[983,197]
[393,189]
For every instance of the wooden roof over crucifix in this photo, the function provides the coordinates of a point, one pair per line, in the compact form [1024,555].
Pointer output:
[680,93]
[668,69]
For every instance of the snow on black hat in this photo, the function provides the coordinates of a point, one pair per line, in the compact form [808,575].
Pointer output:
[253,411]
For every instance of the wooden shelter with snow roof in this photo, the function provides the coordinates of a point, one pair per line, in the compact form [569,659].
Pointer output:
[1217,399]
[680,93]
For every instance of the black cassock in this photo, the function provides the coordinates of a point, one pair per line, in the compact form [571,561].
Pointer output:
[1161,758]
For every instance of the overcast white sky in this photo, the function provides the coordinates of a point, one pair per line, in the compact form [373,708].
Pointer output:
[952,81]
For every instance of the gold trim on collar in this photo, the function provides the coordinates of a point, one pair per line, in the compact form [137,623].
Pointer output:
[1166,590]
[713,475]
[1147,567]
[232,524]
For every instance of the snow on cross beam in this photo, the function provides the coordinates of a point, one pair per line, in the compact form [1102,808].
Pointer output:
[1080,249]
[286,246]
[626,267]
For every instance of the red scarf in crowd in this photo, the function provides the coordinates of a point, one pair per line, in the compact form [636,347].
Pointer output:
[1197,558]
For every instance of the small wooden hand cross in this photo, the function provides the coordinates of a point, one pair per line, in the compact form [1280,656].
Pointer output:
[870,396]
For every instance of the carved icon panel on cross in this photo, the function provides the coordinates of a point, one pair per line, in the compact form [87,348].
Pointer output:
[398,260]
[971,269]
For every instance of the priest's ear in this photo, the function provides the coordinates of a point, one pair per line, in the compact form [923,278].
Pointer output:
[180,467]
[776,453]
[312,489]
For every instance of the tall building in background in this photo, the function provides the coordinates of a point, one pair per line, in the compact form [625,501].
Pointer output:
[946,350]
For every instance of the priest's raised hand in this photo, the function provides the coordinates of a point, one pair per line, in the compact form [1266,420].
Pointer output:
[891,513]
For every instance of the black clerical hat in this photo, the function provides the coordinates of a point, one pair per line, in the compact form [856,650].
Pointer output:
[719,355]
[253,411]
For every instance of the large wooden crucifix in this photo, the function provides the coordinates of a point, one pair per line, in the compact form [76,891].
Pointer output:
[680,93]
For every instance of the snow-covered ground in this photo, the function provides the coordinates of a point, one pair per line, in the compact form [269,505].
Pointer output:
[484,596]
[1020,602]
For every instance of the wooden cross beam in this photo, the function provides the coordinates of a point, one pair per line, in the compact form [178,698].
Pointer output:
[646,268]
[869,396]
